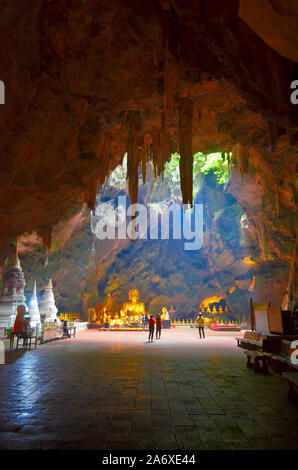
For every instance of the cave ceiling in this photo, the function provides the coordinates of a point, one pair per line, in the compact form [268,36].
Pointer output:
[86,81]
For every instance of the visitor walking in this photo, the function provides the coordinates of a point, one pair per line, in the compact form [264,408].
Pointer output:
[158,326]
[200,322]
[151,323]
[146,321]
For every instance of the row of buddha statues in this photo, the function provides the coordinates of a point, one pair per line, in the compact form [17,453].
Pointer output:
[214,310]
[132,313]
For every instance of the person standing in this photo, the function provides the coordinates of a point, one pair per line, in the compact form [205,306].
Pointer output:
[158,326]
[65,329]
[200,322]
[146,321]
[151,323]
[20,324]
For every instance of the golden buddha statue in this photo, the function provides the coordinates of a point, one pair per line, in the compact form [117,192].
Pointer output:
[133,310]
[164,314]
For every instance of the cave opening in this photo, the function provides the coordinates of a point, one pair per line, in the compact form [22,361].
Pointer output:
[93,268]
[165,273]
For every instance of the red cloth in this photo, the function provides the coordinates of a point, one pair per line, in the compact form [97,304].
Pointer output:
[151,321]
[19,324]
[158,322]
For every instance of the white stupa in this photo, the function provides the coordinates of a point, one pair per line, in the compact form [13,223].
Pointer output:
[47,305]
[13,292]
[33,308]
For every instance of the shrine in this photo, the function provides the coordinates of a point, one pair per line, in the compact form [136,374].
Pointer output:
[13,292]
[131,314]
[33,308]
[47,306]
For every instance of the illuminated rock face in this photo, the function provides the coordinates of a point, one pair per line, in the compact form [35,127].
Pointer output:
[47,303]
[33,308]
[13,292]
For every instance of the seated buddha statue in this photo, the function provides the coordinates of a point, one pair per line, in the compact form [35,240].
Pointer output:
[165,314]
[133,310]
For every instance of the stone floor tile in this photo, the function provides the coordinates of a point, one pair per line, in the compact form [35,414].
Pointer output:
[181,394]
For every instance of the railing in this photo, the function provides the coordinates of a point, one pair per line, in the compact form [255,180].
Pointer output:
[193,322]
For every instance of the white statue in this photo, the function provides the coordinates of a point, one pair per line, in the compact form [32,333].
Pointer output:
[33,308]
[47,305]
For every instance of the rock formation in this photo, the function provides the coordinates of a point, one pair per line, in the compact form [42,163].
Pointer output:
[87,81]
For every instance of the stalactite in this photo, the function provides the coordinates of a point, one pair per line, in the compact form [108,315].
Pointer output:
[91,192]
[165,150]
[242,157]
[142,158]
[147,146]
[132,122]
[276,200]
[292,286]
[46,236]
[155,150]
[273,132]
[170,84]
[185,149]
[265,244]
[144,165]
[105,153]
[160,150]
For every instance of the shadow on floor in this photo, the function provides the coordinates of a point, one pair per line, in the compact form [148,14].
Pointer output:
[12,356]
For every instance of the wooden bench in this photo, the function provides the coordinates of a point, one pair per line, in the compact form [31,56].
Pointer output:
[252,343]
[292,378]
[280,361]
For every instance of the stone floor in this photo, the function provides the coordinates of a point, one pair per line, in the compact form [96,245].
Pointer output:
[113,390]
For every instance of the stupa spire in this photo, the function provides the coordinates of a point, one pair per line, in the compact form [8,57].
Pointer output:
[13,291]
[33,308]
[47,302]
